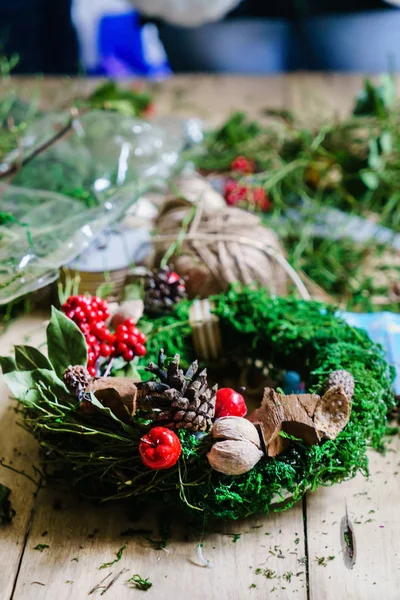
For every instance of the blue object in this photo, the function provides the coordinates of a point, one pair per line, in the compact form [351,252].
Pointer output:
[383,328]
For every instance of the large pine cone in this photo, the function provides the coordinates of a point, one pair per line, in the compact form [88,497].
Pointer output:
[180,400]
[163,289]
[76,379]
[343,378]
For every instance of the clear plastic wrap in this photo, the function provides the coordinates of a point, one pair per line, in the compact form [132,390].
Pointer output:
[67,195]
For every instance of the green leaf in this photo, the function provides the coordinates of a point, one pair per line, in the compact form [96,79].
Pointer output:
[65,343]
[369,179]
[49,378]
[105,289]
[7,364]
[28,358]
[19,383]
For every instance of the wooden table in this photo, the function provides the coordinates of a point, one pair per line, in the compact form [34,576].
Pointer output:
[294,555]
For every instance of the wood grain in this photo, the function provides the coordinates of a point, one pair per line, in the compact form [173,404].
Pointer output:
[372,507]
[80,536]
[18,450]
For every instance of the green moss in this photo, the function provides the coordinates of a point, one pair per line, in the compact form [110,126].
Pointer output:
[99,454]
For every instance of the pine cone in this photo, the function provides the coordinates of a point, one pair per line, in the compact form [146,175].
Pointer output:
[343,378]
[181,400]
[76,380]
[163,289]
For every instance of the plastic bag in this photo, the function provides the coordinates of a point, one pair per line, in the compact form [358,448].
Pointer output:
[85,182]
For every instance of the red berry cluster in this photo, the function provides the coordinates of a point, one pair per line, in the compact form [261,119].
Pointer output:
[91,314]
[237,194]
[243,165]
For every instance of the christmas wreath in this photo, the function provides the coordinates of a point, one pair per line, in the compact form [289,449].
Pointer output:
[164,435]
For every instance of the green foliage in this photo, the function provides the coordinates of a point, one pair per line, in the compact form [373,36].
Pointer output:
[65,343]
[139,583]
[116,559]
[97,453]
[110,96]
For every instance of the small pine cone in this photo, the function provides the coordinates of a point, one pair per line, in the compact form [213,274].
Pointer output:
[196,411]
[343,378]
[162,290]
[76,380]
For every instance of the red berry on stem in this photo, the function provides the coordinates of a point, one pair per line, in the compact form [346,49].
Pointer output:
[129,323]
[128,355]
[140,350]
[160,448]
[121,329]
[112,338]
[92,371]
[105,350]
[141,338]
[85,328]
[229,404]
[242,164]
[122,336]
[132,340]
[121,348]
[91,339]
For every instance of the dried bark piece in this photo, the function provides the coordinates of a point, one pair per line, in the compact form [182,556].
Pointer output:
[119,394]
[309,402]
[332,412]
[284,413]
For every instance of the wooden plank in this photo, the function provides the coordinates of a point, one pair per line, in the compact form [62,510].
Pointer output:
[211,98]
[19,450]
[372,507]
[81,537]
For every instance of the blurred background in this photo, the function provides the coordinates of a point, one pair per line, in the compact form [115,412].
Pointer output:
[153,38]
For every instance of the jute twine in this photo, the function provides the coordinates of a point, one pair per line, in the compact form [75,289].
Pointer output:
[221,246]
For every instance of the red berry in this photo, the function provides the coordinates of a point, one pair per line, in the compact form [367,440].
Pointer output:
[128,355]
[105,350]
[97,328]
[121,348]
[91,315]
[104,333]
[92,371]
[243,165]
[91,357]
[122,336]
[129,323]
[160,448]
[134,331]
[91,339]
[132,340]
[140,350]
[96,349]
[85,328]
[70,313]
[80,315]
[121,329]
[229,404]
[141,338]
[259,198]
[100,316]
[112,338]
